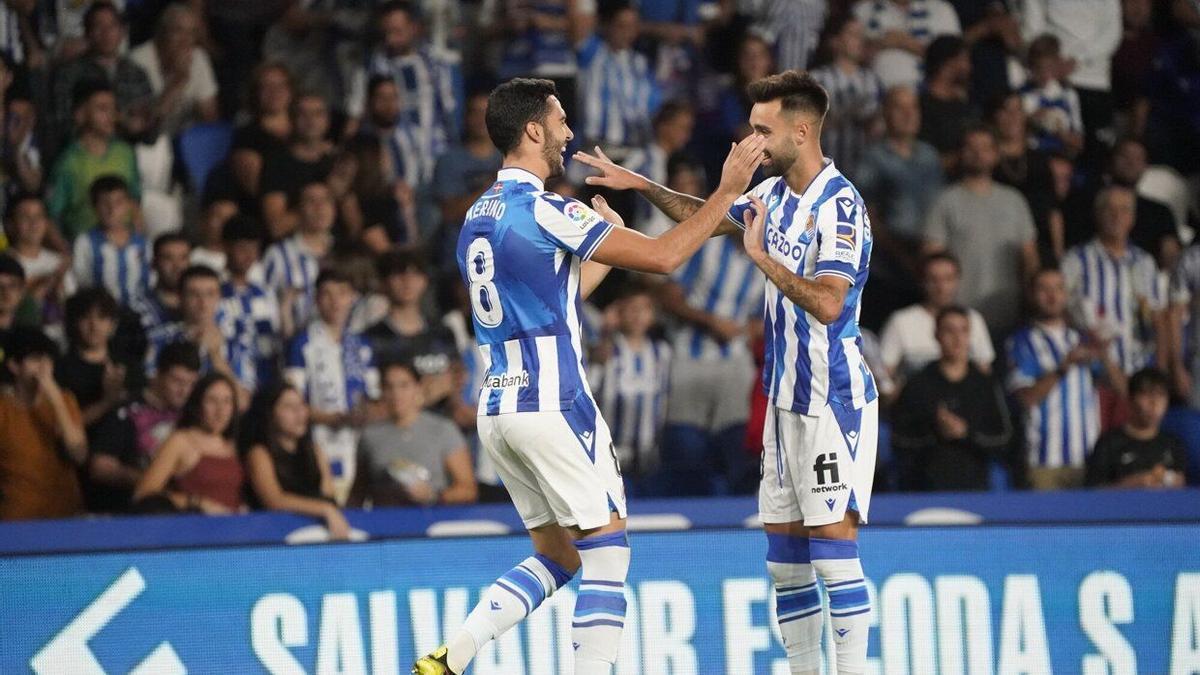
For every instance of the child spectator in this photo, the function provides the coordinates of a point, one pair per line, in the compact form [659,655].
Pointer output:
[335,370]
[633,382]
[249,313]
[1051,103]
[405,333]
[125,441]
[1139,454]
[113,256]
[413,456]
[288,471]
[42,442]
[90,370]
[198,468]
[290,266]
[46,271]
[94,152]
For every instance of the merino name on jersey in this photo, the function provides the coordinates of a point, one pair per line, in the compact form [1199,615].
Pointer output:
[519,253]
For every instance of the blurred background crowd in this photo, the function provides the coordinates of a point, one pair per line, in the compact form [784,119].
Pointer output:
[228,275]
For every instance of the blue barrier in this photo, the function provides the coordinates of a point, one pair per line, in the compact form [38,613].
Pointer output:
[1035,599]
[156,532]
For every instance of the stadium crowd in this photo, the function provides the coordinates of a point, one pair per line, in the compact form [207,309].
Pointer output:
[229,279]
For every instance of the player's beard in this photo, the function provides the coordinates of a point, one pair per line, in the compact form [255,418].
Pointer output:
[780,163]
[553,156]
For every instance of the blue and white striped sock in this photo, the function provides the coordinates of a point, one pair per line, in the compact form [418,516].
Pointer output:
[797,601]
[600,605]
[505,603]
[837,563]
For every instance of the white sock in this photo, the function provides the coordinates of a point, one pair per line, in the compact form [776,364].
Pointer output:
[837,563]
[505,603]
[600,605]
[798,602]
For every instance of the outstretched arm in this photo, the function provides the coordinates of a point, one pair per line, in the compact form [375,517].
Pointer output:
[676,205]
[662,254]
[592,272]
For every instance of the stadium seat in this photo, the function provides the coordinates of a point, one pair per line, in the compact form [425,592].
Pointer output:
[1185,424]
[201,148]
[1164,184]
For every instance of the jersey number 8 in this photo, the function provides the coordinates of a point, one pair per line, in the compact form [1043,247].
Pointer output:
[481,269]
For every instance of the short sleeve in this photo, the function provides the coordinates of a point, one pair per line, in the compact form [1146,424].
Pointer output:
[737,212]
[1024,363]
[840,234]
[570,224]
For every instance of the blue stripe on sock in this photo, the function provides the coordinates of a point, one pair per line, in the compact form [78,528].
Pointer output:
[580,613]
[864,610]
[590,601]
[598,582]
[832,549]
[800,616]
[560,573]
[799,601]
[520,597]
[598,622]
[847,598]
[843,583]
[784,549]
[602,540]
[527,583]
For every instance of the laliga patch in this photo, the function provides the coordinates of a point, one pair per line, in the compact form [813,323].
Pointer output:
[581,215]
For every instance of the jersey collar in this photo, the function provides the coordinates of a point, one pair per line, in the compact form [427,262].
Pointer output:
[521,176]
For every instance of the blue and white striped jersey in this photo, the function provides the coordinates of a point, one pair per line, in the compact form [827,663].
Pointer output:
[1062,113]
[333,375]
[430,93]
[519,253]
[617,95]
[410,155]
[239,353]
[1115,296]
[722,280]
[854,101]
[633,385]
[250,315]
[1062,429]
[823,231]
[289,264]
[123,271]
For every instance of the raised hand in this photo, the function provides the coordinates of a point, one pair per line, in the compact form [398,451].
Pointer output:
[600,204]
[612,175]
[741,164]
[755,220]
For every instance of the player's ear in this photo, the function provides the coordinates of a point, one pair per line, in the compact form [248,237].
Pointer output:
[535,131]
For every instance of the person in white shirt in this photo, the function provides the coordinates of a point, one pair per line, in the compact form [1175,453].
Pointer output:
[898,31]
[907,343]
[180,71]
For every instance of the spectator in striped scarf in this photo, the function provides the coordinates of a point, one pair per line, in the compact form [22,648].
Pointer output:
[854,95]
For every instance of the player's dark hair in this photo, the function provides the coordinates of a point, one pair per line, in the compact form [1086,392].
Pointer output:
[198,272]
[796,90]
[952,310]
[94,10]
[192,414]
[85,302]
[941,256]
[164,240]
[1148,380]
[109,182]
[179,354]
[514,104]
[401,260]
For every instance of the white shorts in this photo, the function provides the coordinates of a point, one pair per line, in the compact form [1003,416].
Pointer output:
[558,466]
[816,467]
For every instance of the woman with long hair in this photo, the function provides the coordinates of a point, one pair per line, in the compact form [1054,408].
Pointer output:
[198,468]
[288,472]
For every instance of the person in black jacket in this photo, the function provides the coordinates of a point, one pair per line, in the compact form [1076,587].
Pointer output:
[950,420]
